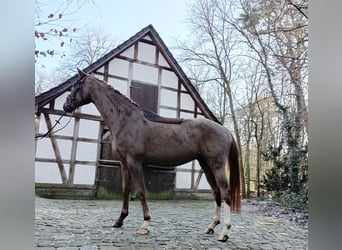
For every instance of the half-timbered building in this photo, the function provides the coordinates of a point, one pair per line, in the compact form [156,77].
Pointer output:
[76,155]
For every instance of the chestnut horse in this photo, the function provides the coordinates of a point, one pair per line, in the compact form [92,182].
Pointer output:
[140,138]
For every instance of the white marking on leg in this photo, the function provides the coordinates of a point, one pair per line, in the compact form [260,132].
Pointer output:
[144,229]
[226,223]
[216,220]
[217,216]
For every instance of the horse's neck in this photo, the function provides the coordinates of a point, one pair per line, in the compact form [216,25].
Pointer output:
[112,105]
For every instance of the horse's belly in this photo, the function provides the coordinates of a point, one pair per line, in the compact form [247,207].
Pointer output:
[168,158]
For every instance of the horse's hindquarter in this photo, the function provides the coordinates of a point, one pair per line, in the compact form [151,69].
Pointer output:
[171,144]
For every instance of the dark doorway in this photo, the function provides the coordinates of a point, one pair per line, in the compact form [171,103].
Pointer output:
[145,95]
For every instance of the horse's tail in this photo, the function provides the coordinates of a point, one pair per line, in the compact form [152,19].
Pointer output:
[234,177]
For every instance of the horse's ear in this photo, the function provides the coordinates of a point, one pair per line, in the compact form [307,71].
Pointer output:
[81,73]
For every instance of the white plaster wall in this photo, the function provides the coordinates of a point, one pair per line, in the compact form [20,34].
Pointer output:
[197,165]
[168,113]
[146,52]
[147,37]
[59,101]
[84,174]
[89,129]
[145,73]
[101,70]
[203,182]
[162,61]
[187,165]
[168,98]
[48,172]
[186,115]
[169,79]
[128,52]
[183,180]
[187,102]
[68,130]
[118,67]
[86,151]
[45,149]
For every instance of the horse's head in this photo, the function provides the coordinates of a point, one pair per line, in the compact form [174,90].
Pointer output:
[79,94]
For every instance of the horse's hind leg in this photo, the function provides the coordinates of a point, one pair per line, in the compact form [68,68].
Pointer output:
[136,170]
[126,189]
[222,182]
[217,196]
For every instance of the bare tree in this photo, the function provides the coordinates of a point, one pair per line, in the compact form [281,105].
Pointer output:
[55,28]
[231,38]
[45,81]
[214,48]
[252,123]
[87,48]
[277,33]
[210,88]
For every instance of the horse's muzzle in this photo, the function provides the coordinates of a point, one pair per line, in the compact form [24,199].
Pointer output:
[68,108]
[69,105]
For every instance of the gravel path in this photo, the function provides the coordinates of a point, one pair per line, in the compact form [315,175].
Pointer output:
[70,224]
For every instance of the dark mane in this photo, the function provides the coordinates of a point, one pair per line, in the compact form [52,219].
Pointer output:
[124,97]
[116,96]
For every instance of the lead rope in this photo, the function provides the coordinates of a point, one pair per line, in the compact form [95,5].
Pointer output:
[38,137]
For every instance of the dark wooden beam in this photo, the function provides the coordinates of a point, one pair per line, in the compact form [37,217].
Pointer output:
[56,149]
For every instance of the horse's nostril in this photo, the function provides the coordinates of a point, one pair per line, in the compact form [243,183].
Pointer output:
[67,108]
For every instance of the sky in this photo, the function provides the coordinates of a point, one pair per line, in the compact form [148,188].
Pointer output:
[123,19]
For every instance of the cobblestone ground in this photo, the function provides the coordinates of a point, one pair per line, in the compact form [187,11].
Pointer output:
[87,225]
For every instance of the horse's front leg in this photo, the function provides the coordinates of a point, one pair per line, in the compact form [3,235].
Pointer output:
[136,169]
[126,190]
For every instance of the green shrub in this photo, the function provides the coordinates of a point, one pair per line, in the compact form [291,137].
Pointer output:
[292,200]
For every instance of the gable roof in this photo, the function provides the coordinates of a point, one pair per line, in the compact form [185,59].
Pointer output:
[54,92]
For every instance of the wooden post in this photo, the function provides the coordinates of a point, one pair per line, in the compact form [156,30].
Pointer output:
[36,128]
[179,99]
[105,77]
[56,149]
[197,182]
[98,154]
[73,151]
[192,174]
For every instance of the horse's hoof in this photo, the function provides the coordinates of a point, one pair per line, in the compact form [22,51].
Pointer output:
[210,231]
[143,231]
[118,224]
[223,238]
